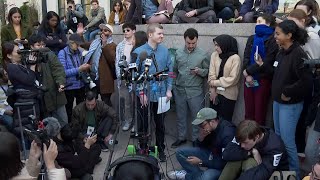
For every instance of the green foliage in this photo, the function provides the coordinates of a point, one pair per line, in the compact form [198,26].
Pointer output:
[29,14]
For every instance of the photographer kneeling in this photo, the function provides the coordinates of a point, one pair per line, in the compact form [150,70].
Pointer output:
[80,159]
[12,168]
[51,75]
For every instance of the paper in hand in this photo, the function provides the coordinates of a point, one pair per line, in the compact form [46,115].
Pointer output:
[163,105]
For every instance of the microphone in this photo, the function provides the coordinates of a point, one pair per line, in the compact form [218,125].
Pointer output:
[143,56]
[160,72]
[41,50]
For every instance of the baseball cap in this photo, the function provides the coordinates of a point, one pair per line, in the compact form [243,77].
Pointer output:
[76,38]
[204,114]
[108,26]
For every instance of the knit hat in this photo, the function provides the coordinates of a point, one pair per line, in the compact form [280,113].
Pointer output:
[52,126]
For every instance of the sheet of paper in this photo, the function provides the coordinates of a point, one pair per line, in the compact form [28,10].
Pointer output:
[163,105]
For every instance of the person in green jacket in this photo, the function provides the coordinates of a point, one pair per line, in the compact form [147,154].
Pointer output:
[15,31]
[52,77]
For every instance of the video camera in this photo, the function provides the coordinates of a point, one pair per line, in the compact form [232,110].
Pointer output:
[40,135]
[41,55]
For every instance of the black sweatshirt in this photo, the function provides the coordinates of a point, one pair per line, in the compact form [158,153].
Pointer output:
[290,77]
[272,151]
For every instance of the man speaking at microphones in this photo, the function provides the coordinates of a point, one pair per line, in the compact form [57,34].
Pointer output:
[158,89]
[123,53]
[52,77]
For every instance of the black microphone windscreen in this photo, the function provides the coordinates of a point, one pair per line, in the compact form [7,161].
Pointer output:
[134,57]
[143,56]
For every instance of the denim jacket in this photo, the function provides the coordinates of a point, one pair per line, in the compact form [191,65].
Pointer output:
[163,59]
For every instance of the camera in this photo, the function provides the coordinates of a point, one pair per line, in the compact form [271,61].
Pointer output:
[86,79]
[311,63]
[41,55]
[40,136]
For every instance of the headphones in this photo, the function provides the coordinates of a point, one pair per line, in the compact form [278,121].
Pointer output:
[149,160]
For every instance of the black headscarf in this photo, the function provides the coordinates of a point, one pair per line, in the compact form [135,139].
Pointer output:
[228,46]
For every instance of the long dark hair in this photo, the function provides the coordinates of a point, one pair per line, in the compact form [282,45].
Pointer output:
[114,5]
[10,164]
[140,38]
[45,23]
[298,34]
[7,48]
[11,12]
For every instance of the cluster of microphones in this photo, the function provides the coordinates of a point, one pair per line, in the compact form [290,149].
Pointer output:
[133,73]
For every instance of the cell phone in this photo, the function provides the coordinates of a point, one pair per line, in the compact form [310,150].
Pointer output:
[256,54]
[192,69]
[92,134]
[255,84]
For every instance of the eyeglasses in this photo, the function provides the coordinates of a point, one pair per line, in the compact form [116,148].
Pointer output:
[314,176]
[105,30]
[126,30]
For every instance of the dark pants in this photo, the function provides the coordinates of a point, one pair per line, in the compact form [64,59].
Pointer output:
[206,17]
[226,13]
[301,126]
[104,127]
[158,119]
[256,101]
[93,159]
[224,108]
[106,98]
[79,94]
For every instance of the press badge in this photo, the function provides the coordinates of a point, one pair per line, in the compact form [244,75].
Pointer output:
[75,20]
[90,130]
[275,64]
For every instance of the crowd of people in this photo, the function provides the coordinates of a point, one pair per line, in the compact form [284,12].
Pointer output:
[74,58]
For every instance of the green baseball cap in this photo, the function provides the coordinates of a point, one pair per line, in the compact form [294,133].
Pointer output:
[204,114]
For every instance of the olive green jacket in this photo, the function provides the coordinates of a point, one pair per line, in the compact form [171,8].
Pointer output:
[53,76]
[8,34]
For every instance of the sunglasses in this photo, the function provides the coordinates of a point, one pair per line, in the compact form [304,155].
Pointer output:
[126,30]
[104,30]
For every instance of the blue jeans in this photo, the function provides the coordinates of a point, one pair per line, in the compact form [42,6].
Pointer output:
[215,165]
[7,121]
[90,35]
[285,117]
[226,13]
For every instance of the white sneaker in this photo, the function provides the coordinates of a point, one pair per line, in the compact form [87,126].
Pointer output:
[126,125]
[179,175]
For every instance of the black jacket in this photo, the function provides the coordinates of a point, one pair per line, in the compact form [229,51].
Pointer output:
[220,4]
[217,140]
[266,70]
[201,6]
[291,78]
[272,151]
[76,158]
[314,110]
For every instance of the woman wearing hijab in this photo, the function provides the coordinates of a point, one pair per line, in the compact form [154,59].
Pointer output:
[224,75]
[257,81]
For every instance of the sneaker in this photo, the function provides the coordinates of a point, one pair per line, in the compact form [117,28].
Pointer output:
[178,143]
[132,129]
[104,148]
[180,175]
[162,157]
[126,125]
